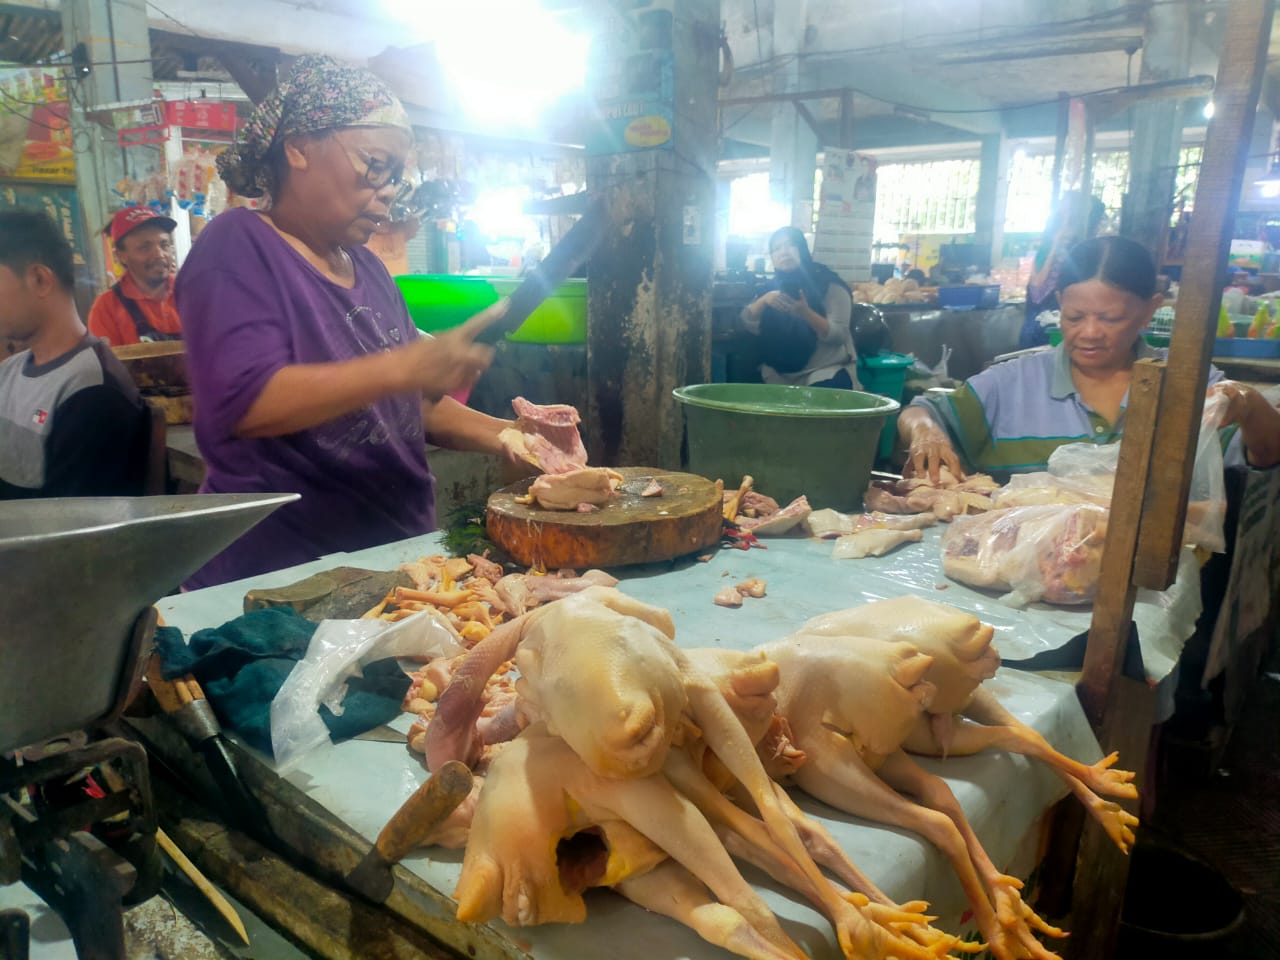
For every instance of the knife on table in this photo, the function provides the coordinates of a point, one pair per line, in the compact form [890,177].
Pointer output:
[573,250]
[185,704]
[429,806]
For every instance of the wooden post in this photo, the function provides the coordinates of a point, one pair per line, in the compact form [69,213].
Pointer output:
[649,291]
[1242,64]
[1148,508]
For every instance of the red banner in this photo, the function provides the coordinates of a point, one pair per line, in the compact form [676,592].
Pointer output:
[201,115]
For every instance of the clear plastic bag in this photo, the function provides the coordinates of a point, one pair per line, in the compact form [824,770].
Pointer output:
[1051,553]
[1086,472]
[339,650]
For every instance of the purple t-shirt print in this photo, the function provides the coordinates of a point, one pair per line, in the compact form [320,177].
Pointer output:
[250,305]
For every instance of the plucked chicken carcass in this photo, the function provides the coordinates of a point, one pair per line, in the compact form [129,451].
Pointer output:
[594,486]
[856,704]
[600,672]
[964,717]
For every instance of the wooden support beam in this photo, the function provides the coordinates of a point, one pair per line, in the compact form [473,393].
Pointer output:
[1108,104]
[1113,608]
[1102,871]
[1148,508]
[832,94]
[1039,51]
[1243,62]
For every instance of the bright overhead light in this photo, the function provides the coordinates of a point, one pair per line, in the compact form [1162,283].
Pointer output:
[1208,110]
[506,60]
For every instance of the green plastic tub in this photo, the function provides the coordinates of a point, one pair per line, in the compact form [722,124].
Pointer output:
[442,301]
[793,440]
[886,375]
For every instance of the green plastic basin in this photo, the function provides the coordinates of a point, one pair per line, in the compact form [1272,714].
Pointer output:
[442,301]
[793,440]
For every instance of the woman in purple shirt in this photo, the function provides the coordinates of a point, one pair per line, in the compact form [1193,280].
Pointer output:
[307,374]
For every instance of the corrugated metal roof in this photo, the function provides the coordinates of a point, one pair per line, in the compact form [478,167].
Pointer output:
[29,37]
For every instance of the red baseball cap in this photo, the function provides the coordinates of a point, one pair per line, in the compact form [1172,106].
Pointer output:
[131,218]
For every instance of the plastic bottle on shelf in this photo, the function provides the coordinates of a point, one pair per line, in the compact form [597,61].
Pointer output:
[1261,320]
[1224,323]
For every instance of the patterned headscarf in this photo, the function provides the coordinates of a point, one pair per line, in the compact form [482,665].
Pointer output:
[320,93]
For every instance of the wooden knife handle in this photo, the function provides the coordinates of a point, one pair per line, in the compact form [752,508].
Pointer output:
[430,804]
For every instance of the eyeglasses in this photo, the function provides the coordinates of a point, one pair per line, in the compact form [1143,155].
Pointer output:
[377,173]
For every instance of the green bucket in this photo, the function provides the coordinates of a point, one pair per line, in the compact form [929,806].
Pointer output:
[886,375]
[439,302]
[793,440]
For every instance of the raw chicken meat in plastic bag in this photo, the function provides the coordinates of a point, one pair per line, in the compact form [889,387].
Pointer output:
[1051,553]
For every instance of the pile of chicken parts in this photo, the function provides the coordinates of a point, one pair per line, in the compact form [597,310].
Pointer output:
[619,759]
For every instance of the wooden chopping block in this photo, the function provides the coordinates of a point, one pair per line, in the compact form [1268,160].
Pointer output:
[343,593]
[631,529]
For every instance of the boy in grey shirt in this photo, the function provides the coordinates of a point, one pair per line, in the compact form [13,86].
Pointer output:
[72,423]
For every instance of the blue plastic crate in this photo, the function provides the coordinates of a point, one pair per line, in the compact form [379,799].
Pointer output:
[970,296]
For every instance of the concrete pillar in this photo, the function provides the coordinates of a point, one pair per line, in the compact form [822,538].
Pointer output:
[793,145]
[118,44]
[649,284]
[1157,128]
[993,193]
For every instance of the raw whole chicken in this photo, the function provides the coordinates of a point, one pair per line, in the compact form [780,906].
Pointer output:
[848,711]
[600,673]
[964,718]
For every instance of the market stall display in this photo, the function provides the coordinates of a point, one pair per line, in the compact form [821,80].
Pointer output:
[802,582]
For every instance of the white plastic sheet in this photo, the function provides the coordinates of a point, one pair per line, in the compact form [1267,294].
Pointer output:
[338,651]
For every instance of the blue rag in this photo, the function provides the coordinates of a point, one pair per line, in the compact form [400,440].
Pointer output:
[242,664]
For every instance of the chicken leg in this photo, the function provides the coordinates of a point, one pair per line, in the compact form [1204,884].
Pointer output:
[987,724]
[672,891]
[745,836]
[1014,938]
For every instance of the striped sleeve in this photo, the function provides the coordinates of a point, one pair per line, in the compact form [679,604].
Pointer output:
[964,417]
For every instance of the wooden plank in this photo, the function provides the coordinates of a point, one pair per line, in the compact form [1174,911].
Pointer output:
[331,925]
[316,839]
[1102,871]
[1113,608]
[1242,63]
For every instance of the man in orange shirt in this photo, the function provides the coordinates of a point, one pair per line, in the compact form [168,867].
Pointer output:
[140,307]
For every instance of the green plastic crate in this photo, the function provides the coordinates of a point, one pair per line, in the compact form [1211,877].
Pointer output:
[886,375]
[439,302]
